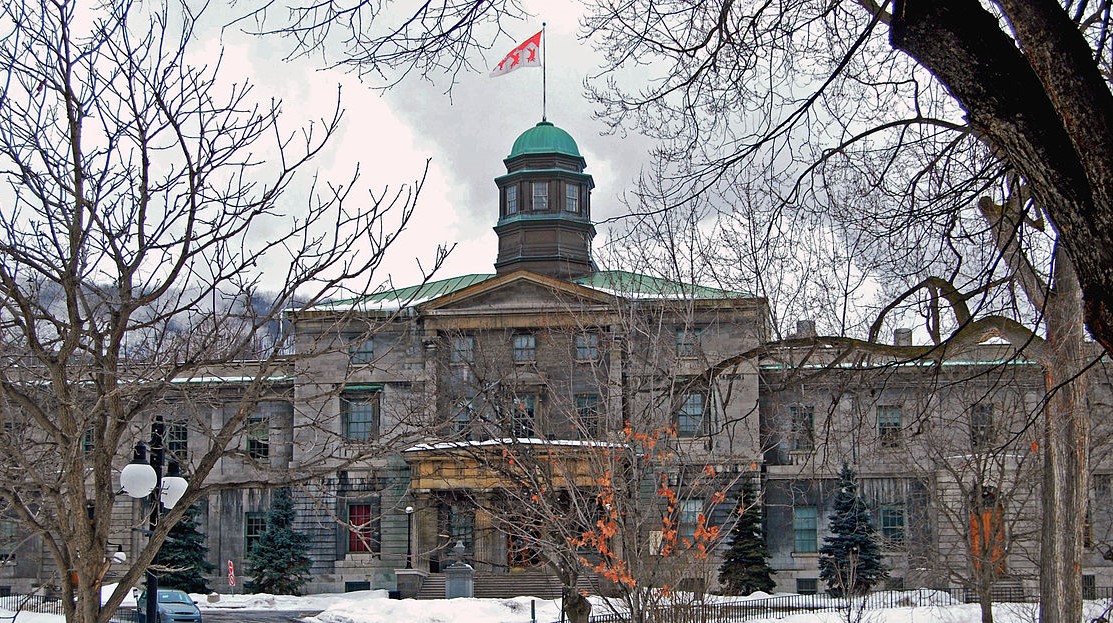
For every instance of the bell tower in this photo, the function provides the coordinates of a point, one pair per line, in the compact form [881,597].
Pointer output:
[544,221]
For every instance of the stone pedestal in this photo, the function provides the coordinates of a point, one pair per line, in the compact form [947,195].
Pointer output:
[459,581]
[409,582]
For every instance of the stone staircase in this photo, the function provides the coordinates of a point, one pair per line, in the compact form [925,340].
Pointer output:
[506,585]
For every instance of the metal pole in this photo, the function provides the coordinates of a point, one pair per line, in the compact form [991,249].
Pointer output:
[157,432]
[544,70]
[409,537]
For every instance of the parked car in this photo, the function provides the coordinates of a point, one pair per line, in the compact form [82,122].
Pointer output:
[174,606]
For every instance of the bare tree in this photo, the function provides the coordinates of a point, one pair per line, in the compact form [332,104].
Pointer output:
[143,198]
[586,448]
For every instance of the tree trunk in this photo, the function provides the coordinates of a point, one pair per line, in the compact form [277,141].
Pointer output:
[1043,107]
[576,607]
[1065,454]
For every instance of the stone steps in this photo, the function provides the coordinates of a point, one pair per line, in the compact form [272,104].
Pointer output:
[506,585]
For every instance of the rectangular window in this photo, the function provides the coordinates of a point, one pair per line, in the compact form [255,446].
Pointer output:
[804,532]
[512,199]
[462,417]
[540,195]
[891,520]
[361,349]
[588,412]
[258,437]
[889,425]
[1103,488]
[803,427]
[254,525]
[687,342]
[691,417]
[463,349]
[1089,586]
[981,426]
[522,416]
[458,524]
[177,440]
[359,412]
[363,528]
[9,532]
[587,347]
[88,441]
[572,198]
[690,511]
[525,348]
[807,586]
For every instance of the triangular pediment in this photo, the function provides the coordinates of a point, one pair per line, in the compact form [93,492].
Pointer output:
[520,291]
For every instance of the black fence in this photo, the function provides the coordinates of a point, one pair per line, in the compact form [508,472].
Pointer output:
[784,605]
[42,604]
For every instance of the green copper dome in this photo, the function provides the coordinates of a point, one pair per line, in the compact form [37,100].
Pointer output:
[545,138]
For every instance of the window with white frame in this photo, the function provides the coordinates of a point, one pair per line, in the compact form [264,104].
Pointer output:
[690,512]
[463,349]
[525,348]
[258,437]
[512,199]
[587,346]
[891,521]
[889,425]
[982,431]
[572,198]
[540,195]
[523,413]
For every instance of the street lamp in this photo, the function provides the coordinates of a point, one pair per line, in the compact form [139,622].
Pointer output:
[142,478]
[409,536]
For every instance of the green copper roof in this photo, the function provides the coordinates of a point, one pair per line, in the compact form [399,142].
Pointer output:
[635,285]
[545,138]
[616,282]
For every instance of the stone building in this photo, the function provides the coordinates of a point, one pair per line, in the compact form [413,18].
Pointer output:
[422,396]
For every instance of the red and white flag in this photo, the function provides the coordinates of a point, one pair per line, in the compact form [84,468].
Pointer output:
[528,54]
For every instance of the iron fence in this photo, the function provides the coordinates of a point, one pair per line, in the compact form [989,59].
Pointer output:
[783,605]
[45,604]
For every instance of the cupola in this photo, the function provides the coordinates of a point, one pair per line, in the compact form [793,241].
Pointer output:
[544,221]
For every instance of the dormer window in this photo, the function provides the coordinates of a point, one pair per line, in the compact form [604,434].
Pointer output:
[511,199]
[540,195]
[572,198]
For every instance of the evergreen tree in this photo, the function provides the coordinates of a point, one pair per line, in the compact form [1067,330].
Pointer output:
[278,560]
[185,555]
[850,559]
[745,567]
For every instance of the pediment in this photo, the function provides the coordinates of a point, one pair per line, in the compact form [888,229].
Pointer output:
[521,291]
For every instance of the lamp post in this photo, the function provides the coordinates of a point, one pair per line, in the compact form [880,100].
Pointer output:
[409,536]
[143,478]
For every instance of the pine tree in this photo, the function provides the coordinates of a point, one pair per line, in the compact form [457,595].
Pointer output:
[745,567]
[850,559]
[278,560]
[185,555]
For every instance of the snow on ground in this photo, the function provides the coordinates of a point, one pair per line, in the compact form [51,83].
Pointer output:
[375,607]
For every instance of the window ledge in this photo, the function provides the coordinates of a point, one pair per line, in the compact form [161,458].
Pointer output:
[805,554]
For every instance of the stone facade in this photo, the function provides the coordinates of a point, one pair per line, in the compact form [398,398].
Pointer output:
[399,427]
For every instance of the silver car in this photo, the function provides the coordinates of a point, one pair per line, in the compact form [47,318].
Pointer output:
[174,606]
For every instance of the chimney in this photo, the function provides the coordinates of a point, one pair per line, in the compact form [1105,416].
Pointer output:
[805,328]
[902,337]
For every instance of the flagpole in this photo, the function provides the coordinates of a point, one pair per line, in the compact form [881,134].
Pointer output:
[544,69]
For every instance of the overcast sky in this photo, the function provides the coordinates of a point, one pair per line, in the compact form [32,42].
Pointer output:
[466,136]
